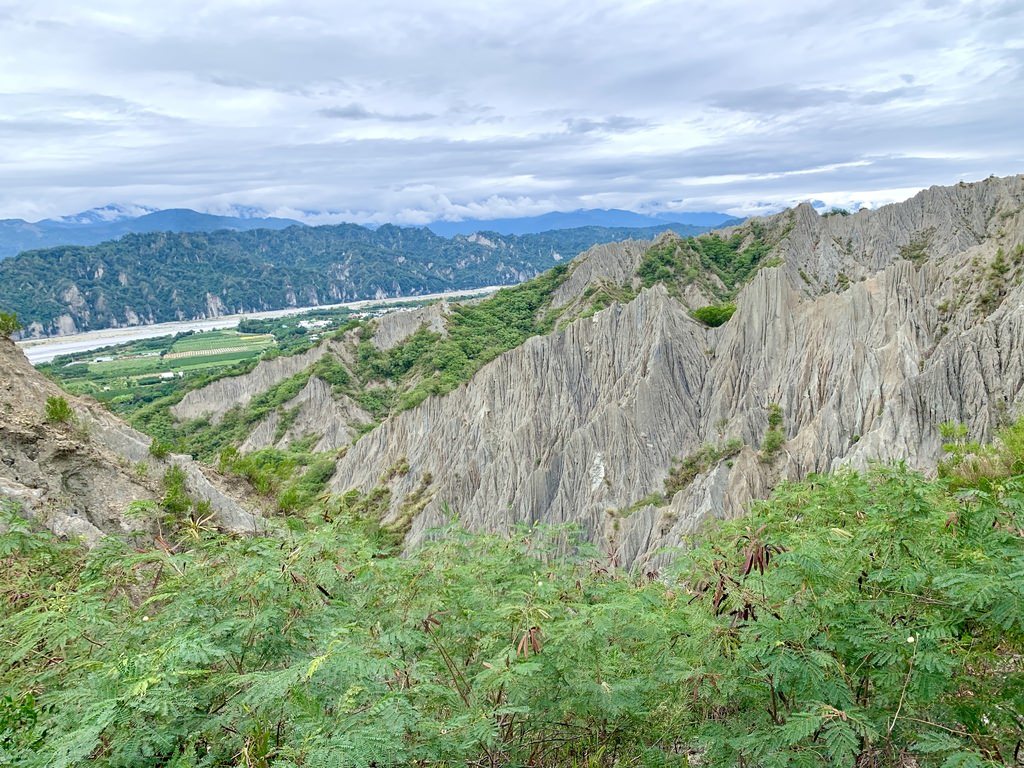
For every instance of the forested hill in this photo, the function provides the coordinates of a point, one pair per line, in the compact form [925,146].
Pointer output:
[159,277]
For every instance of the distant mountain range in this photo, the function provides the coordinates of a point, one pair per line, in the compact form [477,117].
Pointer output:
[111,222]
[529,225]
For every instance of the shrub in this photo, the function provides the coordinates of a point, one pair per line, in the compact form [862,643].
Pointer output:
[917,249]
[687,469]
[57,410]
[176,501]
[159,449]
[9,324]
[714,315]
[852,620]
[775,436]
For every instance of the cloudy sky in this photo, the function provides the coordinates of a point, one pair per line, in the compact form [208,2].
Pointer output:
[420,110]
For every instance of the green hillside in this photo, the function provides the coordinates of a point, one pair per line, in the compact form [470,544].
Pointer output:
[160,277]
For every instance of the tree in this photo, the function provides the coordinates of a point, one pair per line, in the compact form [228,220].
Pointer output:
[714,315]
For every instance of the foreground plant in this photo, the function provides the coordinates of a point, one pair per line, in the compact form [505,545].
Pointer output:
[854,619]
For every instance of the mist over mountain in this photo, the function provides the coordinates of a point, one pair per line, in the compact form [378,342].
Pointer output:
[111,222]
[527,225]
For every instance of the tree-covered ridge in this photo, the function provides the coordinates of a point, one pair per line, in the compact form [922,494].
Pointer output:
[719,265]
[166,276]
[430,364]
[856,619]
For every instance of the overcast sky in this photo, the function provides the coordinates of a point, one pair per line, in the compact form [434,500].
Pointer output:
[414,111]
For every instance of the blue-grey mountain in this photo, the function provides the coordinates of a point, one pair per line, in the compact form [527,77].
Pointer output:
[527,225]
[111,222]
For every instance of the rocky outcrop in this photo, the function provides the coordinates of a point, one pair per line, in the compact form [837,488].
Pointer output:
[614,263]
[551,432]
[397,326]
[316,410]
[868,332]
[80,477]
[217,398]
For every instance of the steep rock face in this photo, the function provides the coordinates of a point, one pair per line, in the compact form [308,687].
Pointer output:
[871,330]
[397,326]
[615,263]
[553,431]
[79,478]
[217,398]
[319,412]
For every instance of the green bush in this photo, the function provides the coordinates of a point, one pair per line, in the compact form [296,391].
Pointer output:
[159,449]
[9,324]
[57,410]
[686,470]
[714,315]
[176,502]
[775,436]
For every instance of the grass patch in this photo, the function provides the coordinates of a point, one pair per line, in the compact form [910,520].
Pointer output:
[687,469]
[57,410]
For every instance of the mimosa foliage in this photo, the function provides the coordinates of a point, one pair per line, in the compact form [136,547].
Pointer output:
[855,619]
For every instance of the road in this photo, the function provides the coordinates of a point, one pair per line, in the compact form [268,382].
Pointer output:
[44,350]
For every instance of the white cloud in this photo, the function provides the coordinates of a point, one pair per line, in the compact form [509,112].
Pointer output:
[410,111]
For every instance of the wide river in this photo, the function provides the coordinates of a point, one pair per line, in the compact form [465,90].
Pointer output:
[44,350]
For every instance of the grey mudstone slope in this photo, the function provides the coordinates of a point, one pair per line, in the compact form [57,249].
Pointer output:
[316,410]
[869,332]
[395,327]
[614,263]
[79,478]
[220,396]
[217,398]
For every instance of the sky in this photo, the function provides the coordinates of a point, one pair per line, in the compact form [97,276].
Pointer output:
[418,111]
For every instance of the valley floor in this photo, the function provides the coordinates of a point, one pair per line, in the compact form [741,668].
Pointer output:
[46,349]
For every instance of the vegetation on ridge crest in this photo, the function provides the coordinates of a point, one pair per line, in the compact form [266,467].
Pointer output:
[714,315]
[9,324]
[720,266]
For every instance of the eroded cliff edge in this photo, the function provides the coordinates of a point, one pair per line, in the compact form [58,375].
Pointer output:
[79,477]
[868,331]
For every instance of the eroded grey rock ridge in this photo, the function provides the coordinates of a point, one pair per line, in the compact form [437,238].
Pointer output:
[615,263]
[395,327]
[80,478]
[318,411]
[217,398]
[872,330]
[220,396]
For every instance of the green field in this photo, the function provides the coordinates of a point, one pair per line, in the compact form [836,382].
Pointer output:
[133,374]
[212,340]
[210,349]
